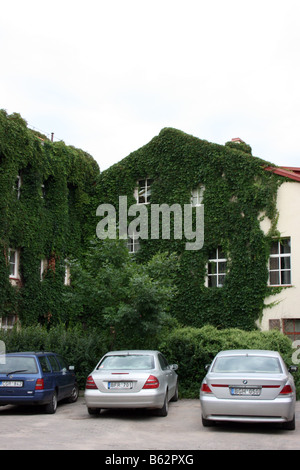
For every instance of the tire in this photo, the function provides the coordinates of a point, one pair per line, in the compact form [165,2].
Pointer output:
[207,422]
[165,409]
[175,396]
[74,395]
[290,425]
[51,407]
[94,411]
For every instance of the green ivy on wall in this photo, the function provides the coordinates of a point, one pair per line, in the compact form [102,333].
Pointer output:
[54,216]
[48,218]
[237,191]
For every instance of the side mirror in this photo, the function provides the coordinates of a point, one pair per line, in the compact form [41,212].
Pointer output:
[293,369]
[207,366]
[174,366]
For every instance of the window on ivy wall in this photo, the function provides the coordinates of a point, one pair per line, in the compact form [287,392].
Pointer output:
[8,322]
[43,268]
[13,261]
[17,186]
[217,265]
[280,263]
[197,195]
[291,328]
[143,191]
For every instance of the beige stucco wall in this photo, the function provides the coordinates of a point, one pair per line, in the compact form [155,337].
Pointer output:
[288,301]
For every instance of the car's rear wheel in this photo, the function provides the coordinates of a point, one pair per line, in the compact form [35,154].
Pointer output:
[74,395]
[165,409]
[94,411]
[207,422]
[51,407]
[290,425]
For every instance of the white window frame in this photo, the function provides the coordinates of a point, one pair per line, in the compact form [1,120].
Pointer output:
[143,192]
[15,263]
[281,258]
[67,279]
[17,185]
[43,268]
[218,272]
[197,195]
[5,324]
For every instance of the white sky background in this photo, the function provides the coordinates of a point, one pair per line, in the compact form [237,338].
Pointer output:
[107,76]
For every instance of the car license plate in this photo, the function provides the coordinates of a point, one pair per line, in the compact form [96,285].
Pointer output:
[11,383]
[119,385]
[245,391]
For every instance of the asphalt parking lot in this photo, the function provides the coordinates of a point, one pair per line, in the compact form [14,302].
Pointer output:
[71,428]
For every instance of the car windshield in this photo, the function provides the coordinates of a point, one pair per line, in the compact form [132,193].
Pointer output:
[251,364]
[127,362]
[10,364]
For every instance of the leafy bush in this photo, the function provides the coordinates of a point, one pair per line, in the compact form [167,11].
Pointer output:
[190,348]
[80,348]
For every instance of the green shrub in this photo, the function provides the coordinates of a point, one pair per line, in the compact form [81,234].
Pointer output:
[190,348]
[81,348]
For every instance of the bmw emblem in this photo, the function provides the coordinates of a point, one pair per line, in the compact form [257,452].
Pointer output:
[245,382]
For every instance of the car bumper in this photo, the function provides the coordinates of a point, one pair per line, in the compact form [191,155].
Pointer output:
[35,398]
[142,399]
[279,410]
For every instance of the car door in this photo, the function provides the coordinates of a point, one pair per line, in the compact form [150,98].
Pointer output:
[67,377]
[46,372]
[57,375]
[169,373]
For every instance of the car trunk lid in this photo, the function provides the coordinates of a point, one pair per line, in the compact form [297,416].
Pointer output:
[120,382]
[247,387]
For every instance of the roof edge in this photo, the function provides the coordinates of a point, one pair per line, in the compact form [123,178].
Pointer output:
[292,173]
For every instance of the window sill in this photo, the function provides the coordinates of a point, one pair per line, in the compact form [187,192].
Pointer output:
[281,285]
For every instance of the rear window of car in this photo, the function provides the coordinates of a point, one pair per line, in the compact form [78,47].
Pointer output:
[10,364]
[127,362]
[250,364]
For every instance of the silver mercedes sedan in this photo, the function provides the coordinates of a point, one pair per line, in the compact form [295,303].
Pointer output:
[132,379]
[250,386]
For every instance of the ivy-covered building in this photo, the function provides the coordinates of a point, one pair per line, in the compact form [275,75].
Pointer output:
[244,270]
[46,198]
[239,274]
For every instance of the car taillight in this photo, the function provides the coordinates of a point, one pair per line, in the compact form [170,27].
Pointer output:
[205,388]
[39,384]
[286,390]
[90,384]
[152,382]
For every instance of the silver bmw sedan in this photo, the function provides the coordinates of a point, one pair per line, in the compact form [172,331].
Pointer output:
[132,379]
[252,386]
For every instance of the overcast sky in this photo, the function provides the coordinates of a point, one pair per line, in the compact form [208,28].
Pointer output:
[107,75]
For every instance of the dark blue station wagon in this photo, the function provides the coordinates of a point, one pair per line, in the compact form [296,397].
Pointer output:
[36,378]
